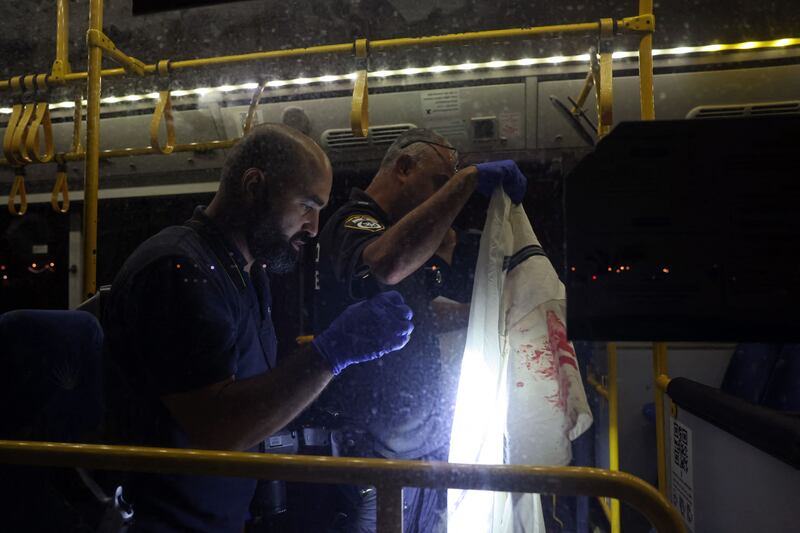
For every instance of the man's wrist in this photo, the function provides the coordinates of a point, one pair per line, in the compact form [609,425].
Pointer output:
[318,346]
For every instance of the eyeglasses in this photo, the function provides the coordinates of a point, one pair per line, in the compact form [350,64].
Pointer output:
[440,145]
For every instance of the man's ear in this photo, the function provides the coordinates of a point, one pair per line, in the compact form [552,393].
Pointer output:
[404,165]
[253,183]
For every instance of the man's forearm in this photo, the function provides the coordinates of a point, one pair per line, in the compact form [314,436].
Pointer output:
[238,414]
[408,244]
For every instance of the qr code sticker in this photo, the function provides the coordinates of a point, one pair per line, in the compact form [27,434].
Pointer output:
[680,448]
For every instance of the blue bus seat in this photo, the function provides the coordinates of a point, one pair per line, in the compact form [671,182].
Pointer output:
[50,390]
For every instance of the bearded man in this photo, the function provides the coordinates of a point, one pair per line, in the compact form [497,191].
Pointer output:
[189,338]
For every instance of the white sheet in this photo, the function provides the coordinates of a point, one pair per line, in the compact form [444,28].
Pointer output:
[520,396]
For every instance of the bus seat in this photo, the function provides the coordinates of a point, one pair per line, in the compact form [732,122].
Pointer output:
[50,390]
[750,371]
[51,380]
[783,391]
[765,374]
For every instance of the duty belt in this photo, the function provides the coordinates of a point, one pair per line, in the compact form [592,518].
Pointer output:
[307,440]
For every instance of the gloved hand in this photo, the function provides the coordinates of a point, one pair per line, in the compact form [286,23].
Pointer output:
[492,174]
[366,330]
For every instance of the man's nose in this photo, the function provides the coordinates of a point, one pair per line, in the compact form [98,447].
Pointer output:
[311,225]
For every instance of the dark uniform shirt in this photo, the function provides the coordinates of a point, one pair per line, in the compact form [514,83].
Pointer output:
[183,314]
[398,398]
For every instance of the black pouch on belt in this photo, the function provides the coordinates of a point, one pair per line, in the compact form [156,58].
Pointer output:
[270,496]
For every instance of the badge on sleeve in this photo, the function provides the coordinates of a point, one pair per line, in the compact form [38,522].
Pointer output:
[363,222]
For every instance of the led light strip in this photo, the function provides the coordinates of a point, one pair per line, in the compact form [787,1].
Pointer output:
[439,69]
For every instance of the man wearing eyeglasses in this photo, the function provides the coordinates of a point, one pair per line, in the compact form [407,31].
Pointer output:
[396,234]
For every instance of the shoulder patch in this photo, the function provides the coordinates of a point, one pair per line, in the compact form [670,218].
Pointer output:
[363,222]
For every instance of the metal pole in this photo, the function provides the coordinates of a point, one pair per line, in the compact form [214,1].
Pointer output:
[613,429]
[62,34]
[647,102]
[92,175]
[660,369]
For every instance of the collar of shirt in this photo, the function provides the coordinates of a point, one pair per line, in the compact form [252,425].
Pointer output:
[357,196]
[214,230]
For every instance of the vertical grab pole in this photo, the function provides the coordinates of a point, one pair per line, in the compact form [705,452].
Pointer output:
[659,369]
[62,37]
[390,508]
[92,175]
[613,429]
[647,102]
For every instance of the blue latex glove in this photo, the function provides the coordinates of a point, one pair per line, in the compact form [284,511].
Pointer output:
[505,172]
[366,330]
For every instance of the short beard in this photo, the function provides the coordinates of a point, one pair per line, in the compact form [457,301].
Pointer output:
[269,247]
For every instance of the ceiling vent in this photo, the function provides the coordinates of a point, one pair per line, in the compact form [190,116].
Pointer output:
[746,110]
[343,139]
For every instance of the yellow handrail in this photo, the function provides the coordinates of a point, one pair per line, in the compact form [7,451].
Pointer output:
[613,429]
[61,65]
[388,476]
[622,25]
[91,179]
[660,368]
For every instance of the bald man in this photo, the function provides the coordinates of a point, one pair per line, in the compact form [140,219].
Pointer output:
[190,339]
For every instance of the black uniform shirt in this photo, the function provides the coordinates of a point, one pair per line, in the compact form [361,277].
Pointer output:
[398,398]
[183,314]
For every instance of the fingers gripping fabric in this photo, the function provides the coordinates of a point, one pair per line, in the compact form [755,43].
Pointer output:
[505,173]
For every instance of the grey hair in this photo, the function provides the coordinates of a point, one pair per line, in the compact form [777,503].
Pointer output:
[405,144]
[274,148]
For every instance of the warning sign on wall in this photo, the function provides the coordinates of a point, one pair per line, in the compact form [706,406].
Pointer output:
[440,103]
[681,475]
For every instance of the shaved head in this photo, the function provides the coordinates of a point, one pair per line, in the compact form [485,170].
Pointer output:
[284,152]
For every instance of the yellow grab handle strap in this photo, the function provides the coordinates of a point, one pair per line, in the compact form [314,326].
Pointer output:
[251,111]
[18,188]
[605,96]
[163,111]
[62,187]
[77,118]
[359,113]
[41,117]
[8,138]
[18,141]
